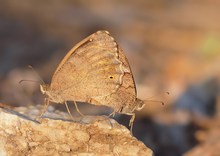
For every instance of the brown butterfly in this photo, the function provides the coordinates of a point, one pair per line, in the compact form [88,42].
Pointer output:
[95,71]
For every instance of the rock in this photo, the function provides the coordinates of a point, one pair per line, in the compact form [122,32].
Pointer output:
[20,134]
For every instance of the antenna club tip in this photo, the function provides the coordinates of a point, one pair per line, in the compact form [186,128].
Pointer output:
[168,93]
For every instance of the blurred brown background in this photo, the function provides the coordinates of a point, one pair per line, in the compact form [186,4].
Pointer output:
[171,46]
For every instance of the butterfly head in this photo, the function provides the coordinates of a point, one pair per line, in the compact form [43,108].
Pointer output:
[137,105]
[51,95]
[44,88]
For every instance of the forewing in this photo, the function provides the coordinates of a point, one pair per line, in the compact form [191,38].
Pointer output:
[92,68]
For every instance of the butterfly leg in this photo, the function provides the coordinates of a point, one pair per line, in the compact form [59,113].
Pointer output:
[46,104]
[78,109]
[112,114]
[131,122]
[108,117]
[115,110]
[68,110]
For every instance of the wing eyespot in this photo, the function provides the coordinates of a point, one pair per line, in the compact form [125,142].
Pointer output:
[111,77]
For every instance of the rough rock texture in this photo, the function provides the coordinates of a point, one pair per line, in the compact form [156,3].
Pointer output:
[90,135]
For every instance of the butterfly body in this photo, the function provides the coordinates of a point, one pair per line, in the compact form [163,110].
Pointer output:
[95,71]
[120,103]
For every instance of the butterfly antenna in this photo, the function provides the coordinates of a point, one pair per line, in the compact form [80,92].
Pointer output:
[155,101]
[41,80]
[167,93]
[21,81]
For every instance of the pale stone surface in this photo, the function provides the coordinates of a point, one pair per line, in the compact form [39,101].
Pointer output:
[58,135]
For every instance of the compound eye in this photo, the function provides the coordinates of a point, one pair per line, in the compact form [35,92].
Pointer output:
[42,89]
[140,106]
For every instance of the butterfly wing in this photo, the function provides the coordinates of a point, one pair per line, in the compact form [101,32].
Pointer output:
[91,69]
[124,99]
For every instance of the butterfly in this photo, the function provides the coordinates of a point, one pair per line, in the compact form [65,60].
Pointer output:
[95,71]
